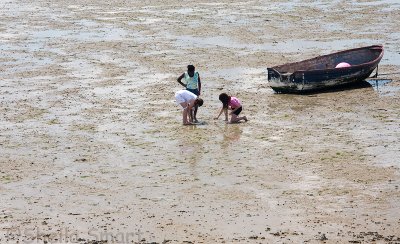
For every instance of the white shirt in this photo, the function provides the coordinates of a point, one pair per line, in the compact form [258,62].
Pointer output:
[184,96]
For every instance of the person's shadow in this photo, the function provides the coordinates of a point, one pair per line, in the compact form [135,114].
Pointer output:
[231,134]
[191,147]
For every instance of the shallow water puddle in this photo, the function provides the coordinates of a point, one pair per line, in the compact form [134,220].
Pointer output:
[100,34]
[381,86]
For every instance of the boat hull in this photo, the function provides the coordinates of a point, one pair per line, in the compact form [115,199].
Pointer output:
[302,78]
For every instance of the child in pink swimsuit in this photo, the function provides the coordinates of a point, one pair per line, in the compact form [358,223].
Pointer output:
[233,104]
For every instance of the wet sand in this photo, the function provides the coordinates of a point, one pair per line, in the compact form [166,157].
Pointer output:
[92,147]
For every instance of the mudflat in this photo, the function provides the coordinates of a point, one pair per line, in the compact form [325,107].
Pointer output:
[91,143]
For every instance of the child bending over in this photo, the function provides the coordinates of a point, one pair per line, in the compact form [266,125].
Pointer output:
[188,101]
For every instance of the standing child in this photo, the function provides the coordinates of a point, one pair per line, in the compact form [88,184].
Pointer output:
[192,83]
[188,101]
[231,103]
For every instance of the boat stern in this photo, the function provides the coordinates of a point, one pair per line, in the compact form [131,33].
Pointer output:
[273,74]
[282,82]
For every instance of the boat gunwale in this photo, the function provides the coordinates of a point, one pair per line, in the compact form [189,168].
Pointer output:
[380,47]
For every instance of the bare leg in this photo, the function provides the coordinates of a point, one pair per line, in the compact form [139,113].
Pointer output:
[190,113]
[185,113]
[236,119]
[195,113]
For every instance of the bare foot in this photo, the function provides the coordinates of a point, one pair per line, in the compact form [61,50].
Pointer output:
[245,119]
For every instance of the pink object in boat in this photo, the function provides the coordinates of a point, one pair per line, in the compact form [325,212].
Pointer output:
[343,65]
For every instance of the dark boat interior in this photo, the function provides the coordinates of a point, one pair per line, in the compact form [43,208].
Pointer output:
[353,57]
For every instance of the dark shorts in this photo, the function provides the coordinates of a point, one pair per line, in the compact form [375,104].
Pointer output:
[237,112]
[194,91]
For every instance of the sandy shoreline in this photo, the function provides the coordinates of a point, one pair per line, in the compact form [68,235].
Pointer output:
[92,147]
